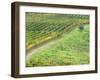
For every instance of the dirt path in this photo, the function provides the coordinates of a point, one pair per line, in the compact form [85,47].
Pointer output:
[35,50]
[43,46]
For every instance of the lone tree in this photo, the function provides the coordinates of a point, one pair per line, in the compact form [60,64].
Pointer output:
[81,27]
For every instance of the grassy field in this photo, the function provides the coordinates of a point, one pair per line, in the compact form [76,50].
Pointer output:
[71,49]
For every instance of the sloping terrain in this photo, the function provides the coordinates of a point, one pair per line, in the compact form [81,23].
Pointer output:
[71,49]
[41,27]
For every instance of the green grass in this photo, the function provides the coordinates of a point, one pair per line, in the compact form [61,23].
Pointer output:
[71,49]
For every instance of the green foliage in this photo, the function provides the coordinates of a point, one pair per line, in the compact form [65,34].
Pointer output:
[71,49]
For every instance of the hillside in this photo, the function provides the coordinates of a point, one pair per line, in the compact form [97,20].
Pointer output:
[71,49]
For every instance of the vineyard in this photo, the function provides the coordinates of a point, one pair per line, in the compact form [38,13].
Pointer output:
[42,27]
[70,47]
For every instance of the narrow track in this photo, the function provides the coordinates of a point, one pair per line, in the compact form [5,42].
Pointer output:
[47,44]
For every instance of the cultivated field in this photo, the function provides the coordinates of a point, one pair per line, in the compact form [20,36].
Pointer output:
[68,33]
